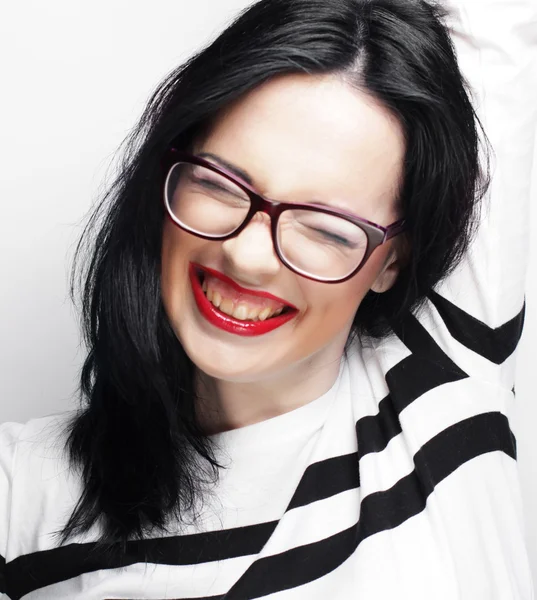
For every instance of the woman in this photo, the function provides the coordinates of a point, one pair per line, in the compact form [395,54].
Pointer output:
[299,377]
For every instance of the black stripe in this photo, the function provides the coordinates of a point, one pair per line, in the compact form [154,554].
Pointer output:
[325,479]
[374,432]
[495,345]
[3,588]
[380,511]
[30,572]
[426,368]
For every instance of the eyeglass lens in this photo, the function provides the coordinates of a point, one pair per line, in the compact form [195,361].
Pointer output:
[314,243]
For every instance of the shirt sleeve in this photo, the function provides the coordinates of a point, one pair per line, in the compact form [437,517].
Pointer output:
[476,315]
[9,434]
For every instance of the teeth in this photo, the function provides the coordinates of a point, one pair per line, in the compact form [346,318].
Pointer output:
[217,299]
[204,285]
[241,312]
[264,314]
[226,306]
[253,315]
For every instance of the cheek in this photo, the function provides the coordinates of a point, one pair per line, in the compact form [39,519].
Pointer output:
[170,257]
[175,252]
[333,307]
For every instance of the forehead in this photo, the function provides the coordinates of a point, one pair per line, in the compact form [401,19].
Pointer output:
[307,138]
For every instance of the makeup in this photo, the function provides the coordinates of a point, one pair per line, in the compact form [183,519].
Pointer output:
[229,323]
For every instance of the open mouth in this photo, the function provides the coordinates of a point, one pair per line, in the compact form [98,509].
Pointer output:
[227,306]
[241,311]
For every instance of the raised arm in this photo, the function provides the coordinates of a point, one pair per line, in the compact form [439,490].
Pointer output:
[477,314]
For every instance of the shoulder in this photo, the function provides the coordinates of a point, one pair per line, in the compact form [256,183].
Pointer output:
[31,451]
[9,435]
[32,459]
[19,440]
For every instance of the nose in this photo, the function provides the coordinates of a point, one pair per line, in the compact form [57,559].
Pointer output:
[250,255]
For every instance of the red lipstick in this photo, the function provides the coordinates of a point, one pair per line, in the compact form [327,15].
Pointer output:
[227,322]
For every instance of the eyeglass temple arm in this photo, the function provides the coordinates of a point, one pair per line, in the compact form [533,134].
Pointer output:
[394,229]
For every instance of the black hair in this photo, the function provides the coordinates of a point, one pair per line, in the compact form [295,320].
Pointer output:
[142,456]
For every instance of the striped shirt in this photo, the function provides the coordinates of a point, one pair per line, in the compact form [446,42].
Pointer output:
[400,482]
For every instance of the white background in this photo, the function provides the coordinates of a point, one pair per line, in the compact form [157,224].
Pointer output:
[74,78]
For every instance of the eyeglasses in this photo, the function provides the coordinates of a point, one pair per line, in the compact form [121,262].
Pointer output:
[316,242]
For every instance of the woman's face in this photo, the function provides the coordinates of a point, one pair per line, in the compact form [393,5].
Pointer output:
[302,139]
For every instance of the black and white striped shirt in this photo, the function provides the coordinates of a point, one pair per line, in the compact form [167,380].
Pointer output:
[401,482]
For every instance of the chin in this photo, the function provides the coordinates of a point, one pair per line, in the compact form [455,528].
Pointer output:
[222,361]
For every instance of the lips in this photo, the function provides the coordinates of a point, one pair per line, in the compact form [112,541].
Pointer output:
[229,323]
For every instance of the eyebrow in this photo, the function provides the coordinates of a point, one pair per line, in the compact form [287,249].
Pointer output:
[246,177]
[229,166]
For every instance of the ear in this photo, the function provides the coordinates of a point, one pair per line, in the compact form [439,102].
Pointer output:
[387,277]
[397,259]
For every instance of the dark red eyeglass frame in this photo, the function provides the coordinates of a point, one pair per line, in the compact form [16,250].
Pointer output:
[376,234]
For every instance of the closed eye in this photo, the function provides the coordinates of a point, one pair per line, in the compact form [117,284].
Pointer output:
[334,237]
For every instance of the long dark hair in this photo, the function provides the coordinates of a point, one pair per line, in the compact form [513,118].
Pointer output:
[142,457]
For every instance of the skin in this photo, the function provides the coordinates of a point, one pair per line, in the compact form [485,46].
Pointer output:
[301,138]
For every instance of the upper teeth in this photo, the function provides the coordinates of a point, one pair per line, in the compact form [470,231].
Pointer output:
[242,311]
